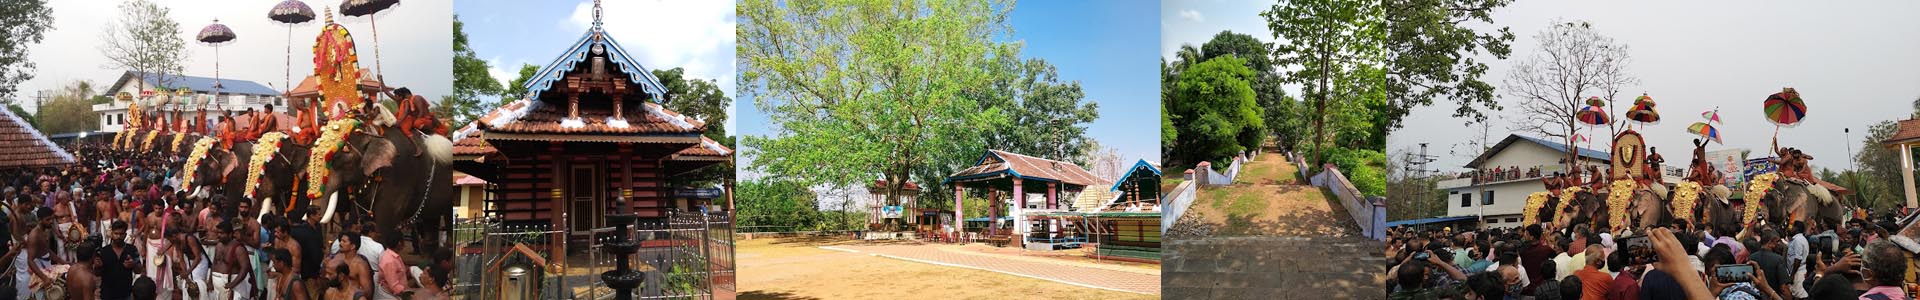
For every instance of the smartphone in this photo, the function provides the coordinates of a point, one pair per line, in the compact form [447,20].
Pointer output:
[1733,273]
[1639,250]
[1422,256]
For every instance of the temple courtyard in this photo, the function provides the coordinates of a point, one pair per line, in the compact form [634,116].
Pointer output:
[833,268]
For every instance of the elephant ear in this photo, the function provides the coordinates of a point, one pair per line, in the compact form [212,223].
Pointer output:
[376,155]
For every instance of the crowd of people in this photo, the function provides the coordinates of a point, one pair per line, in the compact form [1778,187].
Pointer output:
[112,226]
[1854,259]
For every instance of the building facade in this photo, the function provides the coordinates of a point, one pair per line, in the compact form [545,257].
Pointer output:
[234,95]
[1506,173]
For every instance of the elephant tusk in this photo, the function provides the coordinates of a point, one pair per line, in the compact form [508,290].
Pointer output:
[327,217]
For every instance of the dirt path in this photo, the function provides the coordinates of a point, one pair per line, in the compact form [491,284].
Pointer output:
[800,269]
[1268,199]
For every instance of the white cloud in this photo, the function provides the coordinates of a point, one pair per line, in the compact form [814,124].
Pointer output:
[499,70]
[695,35]
[1192,15]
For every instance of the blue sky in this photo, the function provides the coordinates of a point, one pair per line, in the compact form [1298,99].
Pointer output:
[695,35]
[1109,47]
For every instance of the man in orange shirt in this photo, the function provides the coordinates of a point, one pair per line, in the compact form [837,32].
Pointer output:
[1594,282]
[415,115]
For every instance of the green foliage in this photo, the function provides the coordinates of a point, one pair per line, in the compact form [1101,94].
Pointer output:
[700,99]
[1214,112]
[471,83]
[69,110]
[1365,168]
[1329,48]
[1240,45]
[776,205]
[518,87]
[859,88]
[1876,181]
[1431,46]
[22,113]
[1044,114]
[23,23]
[146,40]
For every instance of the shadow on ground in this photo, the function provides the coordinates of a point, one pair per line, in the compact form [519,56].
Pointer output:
[765,295]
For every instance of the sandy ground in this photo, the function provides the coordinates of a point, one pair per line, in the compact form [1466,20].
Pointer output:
[799,269]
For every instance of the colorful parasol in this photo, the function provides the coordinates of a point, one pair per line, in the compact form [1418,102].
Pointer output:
[1643,110]
[1592,115]
[290,12]
[1712,116]
[367,8]
[1785,108]
[1705,130]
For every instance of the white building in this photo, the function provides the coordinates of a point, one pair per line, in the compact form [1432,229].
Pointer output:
[1501,198]
[235,95]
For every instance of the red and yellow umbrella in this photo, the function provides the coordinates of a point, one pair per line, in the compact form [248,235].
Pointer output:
[1593,115]
[1643,111]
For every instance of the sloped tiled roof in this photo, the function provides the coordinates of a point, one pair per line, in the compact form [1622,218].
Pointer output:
[526,116]
[23,147]
[467,141]
[709,148]
[1556,146]
[1906,132]
[1028,167]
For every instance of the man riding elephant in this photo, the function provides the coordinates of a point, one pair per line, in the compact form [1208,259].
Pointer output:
[416,115]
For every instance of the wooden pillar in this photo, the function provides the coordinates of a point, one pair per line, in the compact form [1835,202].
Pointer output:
[556,243]
[626,178]
[1906,173]
[959,209]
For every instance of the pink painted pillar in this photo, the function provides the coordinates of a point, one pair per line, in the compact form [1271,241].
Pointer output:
[1053,202]
[959,208]
[1019,203]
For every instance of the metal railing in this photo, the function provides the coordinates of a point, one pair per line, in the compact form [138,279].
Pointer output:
[687,255]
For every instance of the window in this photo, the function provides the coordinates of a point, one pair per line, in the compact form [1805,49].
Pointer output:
[1512,220]
[1487,199]
[1466,200]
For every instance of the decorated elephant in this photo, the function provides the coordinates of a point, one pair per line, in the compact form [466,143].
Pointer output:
[1795,200]
[379,175]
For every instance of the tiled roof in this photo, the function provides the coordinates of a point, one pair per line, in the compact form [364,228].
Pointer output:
[709,147]
[1908,131]
[1028,167]
[526,116]
[467,141]
[23,147]
[879,183]
[202,84]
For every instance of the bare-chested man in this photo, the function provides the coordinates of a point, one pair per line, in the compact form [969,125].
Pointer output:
[81,280]
[104,212]
[360,270]
[230,266]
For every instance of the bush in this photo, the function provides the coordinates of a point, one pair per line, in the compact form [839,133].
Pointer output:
[1365,168]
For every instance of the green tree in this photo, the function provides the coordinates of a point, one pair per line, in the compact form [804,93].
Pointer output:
[778,205]
[1877,181]
[864,87]
[69,110]
[518,87]
[1045,117]
[1326,41]
[1431,47]
[471,83]
[1254,51]
[22,113]
[700,99]
[1213,109]
[146,40]
[24,23]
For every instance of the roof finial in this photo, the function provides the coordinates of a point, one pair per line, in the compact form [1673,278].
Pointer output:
[329,13]
[596,14]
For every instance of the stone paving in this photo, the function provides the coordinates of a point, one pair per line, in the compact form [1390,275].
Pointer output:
[1274,268]
[1101,278]
[1294,245]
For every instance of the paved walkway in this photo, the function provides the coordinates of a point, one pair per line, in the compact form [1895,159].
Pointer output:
[1275,268]
[1100,278]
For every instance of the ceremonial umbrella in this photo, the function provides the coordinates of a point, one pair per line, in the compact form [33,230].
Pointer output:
[1643,111]
[1712,116]
[1705,130]
[368,8]
[290,12]
[214,36]
[1592,115]
[1785,109]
